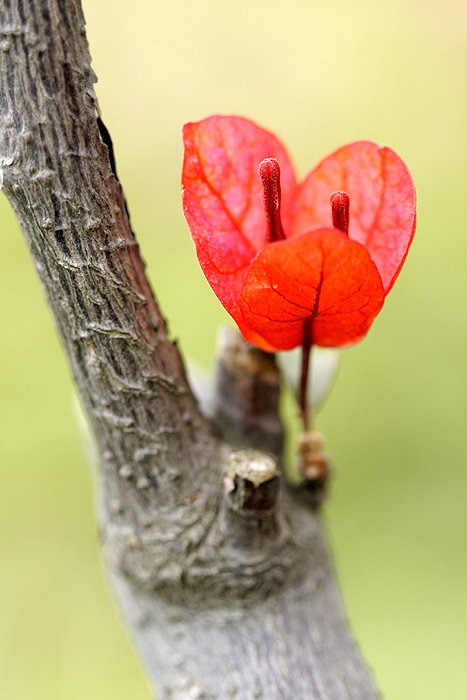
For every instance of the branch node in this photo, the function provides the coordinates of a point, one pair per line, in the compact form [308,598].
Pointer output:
[251,488]
[315,466]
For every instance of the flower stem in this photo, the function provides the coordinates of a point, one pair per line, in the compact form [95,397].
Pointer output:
[305,408]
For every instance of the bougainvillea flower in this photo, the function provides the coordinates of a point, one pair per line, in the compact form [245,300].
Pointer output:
[288,259]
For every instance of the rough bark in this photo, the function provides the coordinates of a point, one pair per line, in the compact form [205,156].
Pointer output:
[225,582]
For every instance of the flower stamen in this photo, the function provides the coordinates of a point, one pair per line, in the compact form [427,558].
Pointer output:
[340,206]
[270,174]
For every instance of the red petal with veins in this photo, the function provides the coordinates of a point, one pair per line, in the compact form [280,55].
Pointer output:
[317,272]
[222,198]
[382,202]
[322,275]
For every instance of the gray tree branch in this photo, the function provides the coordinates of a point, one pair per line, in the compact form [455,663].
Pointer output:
[224,580]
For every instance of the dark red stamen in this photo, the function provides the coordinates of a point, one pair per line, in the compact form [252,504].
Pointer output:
[270,174]
[340,205]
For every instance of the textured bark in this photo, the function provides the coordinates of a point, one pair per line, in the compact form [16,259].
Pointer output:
[228,590]
[250,379]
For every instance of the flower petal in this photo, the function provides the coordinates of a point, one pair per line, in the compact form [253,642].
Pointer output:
[382,202]
[323,276]
[222,198]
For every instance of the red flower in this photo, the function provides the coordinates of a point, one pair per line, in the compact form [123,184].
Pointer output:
[290,267]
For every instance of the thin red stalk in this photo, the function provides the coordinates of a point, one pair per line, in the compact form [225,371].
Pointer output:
[305,409]
[340,208]
[270,174]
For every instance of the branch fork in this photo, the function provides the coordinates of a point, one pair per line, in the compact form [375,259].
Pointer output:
[222,575]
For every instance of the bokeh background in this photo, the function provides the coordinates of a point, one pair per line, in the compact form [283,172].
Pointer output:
[319,74]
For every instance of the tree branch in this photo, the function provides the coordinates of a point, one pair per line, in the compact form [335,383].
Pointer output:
[228,590]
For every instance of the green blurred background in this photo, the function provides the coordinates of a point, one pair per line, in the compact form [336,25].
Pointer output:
[319,74]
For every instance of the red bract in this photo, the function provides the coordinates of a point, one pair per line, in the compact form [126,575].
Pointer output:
[277,253]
